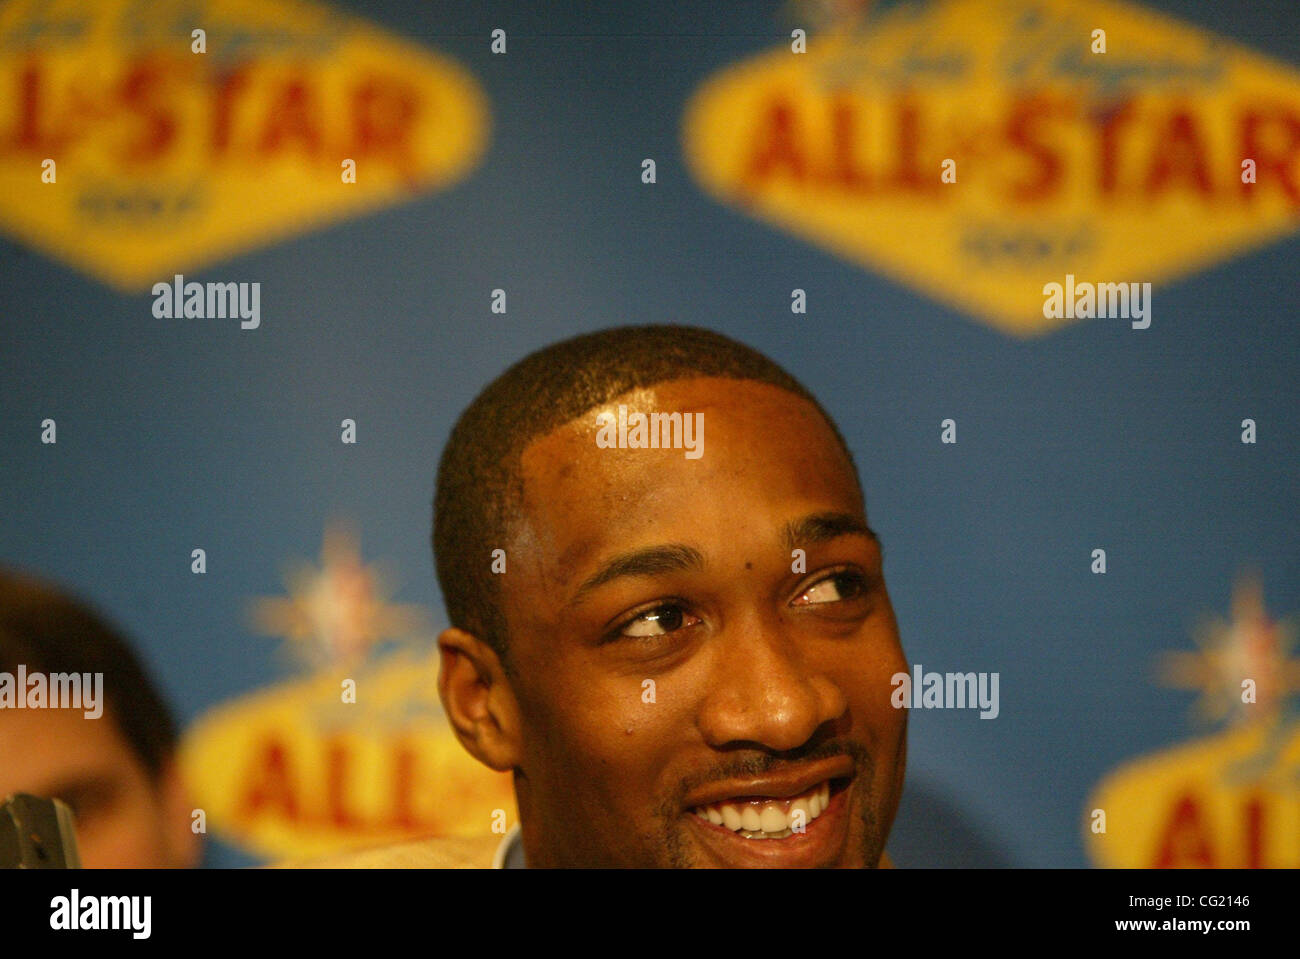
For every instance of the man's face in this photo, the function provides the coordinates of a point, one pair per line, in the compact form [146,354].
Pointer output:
[678,670]
[123,818]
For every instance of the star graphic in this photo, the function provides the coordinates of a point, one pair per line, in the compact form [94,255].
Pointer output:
[1250,646]
[337,612]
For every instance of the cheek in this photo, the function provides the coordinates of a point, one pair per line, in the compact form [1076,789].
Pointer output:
[126,836]
[867,680]
[608,734]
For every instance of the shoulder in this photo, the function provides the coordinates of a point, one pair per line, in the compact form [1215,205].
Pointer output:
[451,852]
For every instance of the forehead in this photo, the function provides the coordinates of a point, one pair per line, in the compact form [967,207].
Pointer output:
[760,447]
[40,747]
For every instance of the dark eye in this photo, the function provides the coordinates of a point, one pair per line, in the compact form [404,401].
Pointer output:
[833,589]
[659,621]
[89,801]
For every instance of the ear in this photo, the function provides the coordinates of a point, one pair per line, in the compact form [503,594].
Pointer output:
[478,699]
[184,846]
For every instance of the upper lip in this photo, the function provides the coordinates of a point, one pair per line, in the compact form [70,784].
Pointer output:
[780,785]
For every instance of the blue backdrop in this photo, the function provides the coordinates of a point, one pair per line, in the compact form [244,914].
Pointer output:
[176,433]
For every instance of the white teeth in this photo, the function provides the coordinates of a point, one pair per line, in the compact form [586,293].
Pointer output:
[769,819]
[773,818]
[804,816]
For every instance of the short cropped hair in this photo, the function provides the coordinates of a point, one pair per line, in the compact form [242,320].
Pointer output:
[479,485]
[46,630]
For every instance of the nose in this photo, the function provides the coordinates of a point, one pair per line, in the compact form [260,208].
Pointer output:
[765,691]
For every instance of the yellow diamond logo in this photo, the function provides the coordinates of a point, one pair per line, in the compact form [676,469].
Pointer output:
[140,140]
[979,150]
[1227,799]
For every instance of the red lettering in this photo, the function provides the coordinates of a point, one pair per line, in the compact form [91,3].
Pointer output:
[1184,841]
[270,786]
[229,87]
[776,148]
[1253,816]
[1179,154]
[844,170]
[911,172]
[292,116]
[337,762]
[404,757]
[139,90]
[1109,124]
[1274,159]
[27,133]
[384,112]
[1022,132]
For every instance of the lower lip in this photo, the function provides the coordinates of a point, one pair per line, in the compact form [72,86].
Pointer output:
[819,844]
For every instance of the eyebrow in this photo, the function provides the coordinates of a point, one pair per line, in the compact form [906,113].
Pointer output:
[81,789]
[818,528]
[810,530]
[651,561]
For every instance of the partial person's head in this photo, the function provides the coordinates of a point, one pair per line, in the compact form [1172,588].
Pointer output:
[117,771]
[674,641]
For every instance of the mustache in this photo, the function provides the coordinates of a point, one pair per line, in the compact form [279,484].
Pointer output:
[759,764]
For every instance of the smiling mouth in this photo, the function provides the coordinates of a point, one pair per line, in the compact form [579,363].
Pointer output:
[767,818]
